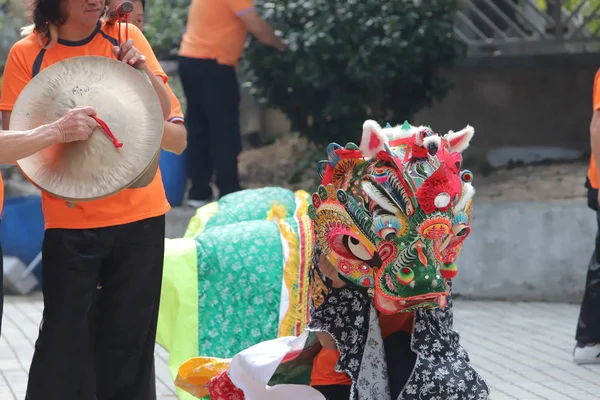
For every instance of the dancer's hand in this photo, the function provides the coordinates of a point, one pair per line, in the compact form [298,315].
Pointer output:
[75,125]
[129,54]
[326,340]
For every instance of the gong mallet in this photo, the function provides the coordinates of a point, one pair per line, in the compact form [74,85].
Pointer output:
[123,11]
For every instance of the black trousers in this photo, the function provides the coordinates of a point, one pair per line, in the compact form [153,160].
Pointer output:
[104,352]
[400,362]
[588,326]
[212,120]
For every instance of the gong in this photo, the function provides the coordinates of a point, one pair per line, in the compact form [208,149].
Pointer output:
[125,103]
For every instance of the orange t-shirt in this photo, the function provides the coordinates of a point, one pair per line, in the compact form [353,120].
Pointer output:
[25,60]
[592,172]
[215,31]
[176,115]
[323,372]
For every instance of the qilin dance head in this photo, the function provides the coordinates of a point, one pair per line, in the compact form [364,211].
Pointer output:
[392,214]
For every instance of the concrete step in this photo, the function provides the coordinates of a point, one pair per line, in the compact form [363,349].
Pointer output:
[177,221]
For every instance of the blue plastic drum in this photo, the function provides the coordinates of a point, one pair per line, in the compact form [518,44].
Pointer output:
[173,169]
[22,229]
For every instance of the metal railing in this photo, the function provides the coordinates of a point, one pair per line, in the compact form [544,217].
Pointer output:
[515,27]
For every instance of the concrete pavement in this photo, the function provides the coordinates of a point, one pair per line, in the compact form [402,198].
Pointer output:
[523,350]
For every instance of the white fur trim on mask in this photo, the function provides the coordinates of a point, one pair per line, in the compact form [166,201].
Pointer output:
[465,134]
[468,191]
[370,128]
[435,139]
[397,132]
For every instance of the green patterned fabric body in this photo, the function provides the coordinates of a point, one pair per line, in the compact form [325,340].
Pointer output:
[250,205]
[240,270]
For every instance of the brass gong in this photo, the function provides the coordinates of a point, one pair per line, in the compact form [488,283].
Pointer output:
[124,100]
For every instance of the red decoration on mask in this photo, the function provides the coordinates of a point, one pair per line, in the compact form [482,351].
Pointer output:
[441,181]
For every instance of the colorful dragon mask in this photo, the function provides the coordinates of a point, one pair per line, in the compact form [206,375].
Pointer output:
[392,214]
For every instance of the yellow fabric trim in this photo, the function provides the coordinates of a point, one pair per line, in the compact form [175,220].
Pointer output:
[277,213]
[290,278]
[306,230]
[297,263]
[200,219]
[195,373]
[302,208]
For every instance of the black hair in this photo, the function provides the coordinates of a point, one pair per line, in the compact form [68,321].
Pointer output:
[46,12]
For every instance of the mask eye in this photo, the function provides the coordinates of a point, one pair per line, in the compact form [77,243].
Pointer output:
[356,248]
[460,230]
[388,227]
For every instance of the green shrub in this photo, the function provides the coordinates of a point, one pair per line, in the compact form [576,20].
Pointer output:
[349,60]
[165,26]
[584,8]
[12,18]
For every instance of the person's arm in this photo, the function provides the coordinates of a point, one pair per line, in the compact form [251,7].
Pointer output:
[6,119]
[261,29]
[326,341]
[138,53]
[15,145]
[595,125]
[161,91]
[174,137]
[15,77]
[595,139]
[245,11]
[75,125]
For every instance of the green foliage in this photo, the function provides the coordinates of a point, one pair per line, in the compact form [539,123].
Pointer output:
[584,8]
[12,18]
[349,60]
[177,88]
[165,26]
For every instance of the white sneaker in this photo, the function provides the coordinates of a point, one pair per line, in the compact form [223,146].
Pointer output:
[586,354]
[197,203]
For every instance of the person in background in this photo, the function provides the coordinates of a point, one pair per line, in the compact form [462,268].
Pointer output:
[175,137]
[210,50]
[117,241]
[75,125]
[587,349]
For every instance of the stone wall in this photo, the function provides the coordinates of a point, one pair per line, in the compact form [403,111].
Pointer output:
[511,101]
[527,251]
[521,101]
